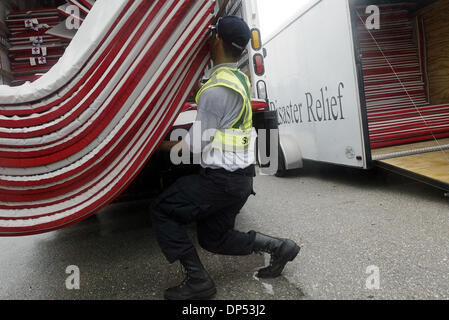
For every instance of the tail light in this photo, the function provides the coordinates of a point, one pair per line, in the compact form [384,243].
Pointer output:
[259,66]
[256,40]
[262,90]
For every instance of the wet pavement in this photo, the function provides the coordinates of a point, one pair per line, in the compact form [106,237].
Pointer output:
[347,221]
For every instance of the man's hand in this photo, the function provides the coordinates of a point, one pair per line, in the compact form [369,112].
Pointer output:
[166,146]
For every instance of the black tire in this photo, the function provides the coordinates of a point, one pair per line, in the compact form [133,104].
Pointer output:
[282,171]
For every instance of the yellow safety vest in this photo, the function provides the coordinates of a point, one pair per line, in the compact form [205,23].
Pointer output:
[237,138]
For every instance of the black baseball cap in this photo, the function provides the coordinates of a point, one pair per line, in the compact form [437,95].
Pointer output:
[234,31]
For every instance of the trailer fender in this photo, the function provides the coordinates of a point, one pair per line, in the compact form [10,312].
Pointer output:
[291,153]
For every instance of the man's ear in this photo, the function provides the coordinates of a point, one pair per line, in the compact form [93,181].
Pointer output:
[219,42]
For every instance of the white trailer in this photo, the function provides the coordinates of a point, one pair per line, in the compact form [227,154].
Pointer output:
[363,84]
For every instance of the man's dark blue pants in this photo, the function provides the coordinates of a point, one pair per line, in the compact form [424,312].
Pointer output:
[212,199]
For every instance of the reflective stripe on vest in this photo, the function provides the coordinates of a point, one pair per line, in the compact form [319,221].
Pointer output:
[236,138]
[232,140]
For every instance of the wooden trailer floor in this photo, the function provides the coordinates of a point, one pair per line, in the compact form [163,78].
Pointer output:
[428,167]
[434,165]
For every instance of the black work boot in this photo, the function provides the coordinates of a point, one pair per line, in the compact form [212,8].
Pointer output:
[197,285]
[281,250]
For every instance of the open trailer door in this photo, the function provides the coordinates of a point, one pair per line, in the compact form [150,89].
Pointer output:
[405,85]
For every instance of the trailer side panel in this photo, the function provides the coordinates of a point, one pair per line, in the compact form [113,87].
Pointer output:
[313,84]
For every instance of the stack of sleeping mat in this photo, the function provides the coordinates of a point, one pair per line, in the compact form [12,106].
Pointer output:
[394,62]
[73,140]
[39,37]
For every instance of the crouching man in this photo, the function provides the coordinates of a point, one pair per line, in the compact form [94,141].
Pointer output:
[215,197]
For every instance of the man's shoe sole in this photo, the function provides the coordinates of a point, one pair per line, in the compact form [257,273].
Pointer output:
[203,295]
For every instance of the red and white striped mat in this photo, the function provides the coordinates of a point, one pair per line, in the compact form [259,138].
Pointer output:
[66,156]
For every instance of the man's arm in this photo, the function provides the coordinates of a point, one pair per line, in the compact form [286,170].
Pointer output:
[210,108]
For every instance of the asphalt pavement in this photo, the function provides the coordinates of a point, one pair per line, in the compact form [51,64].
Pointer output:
[364,235]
